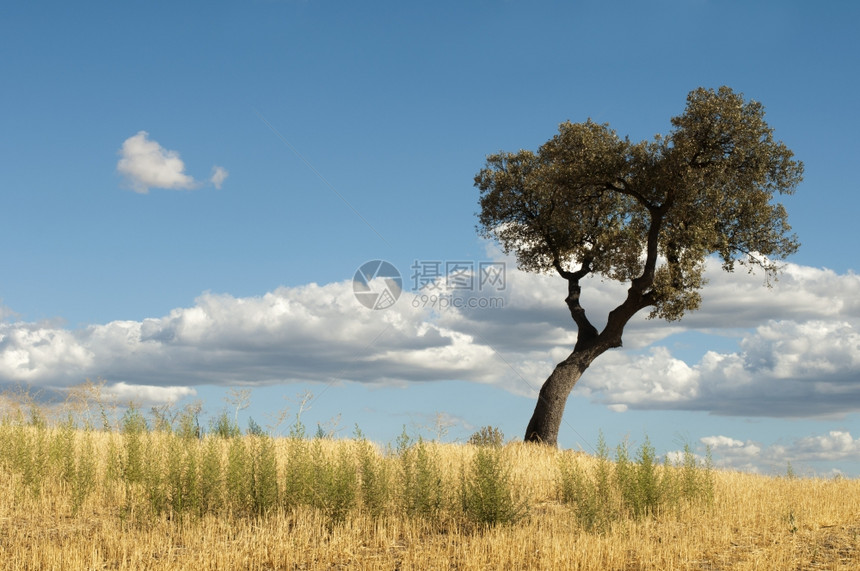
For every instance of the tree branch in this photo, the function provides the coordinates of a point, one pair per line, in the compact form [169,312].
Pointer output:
[630,192]
[639,295]
[586,332]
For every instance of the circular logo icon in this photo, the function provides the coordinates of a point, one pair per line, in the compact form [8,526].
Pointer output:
[377,284]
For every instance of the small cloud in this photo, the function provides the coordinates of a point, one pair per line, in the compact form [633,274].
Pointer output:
[147,394]
[146,164]
[219,174]
[721,442]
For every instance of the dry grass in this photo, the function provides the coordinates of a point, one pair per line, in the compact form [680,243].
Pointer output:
[754,522]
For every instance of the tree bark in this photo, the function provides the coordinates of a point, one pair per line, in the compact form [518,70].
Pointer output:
[546,420]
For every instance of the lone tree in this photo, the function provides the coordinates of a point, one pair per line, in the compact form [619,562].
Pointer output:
[647,214]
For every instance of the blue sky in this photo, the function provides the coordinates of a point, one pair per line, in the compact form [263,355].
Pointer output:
[189,188]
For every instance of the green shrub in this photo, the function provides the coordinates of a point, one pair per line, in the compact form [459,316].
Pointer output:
[640,488]
[238,477]
[224,426]
[422,493]
[84,481]
[211,477]
[488,492]
[374,479]
[335,485]
[594,498]
[133,427]
[264,484]
[487,436]
[298,474]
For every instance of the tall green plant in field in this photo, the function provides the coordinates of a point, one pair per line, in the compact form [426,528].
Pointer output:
[637,488]
[488,490]
[374,477]
[133,428]
[34,455]
[264,477]
[593,496]
[62,451]
[211,477]
[84,481]
[224,426]
[298,473]
[335,484]
[421,488]
[238,477]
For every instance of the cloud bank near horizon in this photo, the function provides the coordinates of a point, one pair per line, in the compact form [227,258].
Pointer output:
[753,456]
[798,345]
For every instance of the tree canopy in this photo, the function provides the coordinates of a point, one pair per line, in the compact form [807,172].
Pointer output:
[647,213]
[650,212]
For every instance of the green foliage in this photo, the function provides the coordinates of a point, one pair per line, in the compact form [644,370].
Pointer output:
[211,477]
[335,484]
[255,429]
[589,197]
[224,426]
[84,482]
[298,474]
[189,422]
[176,474]
[374,477]
[637,488]
[239,477]
[488,490]
[487,436]
[421,489]
[264,485]
[133,427]
[62,451]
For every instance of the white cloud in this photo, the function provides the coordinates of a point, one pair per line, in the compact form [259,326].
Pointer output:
[783,369]
[836,445]
[309,333]
[805,365]
[146,164]
[219,175]
[751,456]
[40,353]
[146,394]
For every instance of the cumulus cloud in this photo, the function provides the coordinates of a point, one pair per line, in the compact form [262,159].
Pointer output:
[309,333]
[798,344]
[783,369]
[752,456]
[836,445]
[146,164]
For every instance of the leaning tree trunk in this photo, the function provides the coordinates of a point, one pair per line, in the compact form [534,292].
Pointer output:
[546,419]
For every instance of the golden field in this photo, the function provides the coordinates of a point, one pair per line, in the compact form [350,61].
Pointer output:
[139,498]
